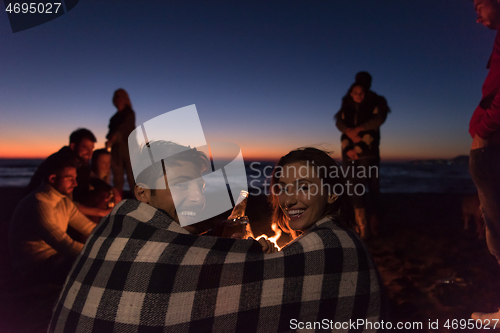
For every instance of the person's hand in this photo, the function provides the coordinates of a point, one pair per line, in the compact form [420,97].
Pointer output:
[352,133]
[104,212]
[352,154]
[478,142]
[267,245]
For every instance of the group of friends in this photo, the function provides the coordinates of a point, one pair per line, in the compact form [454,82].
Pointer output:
[66,197]
[139,270]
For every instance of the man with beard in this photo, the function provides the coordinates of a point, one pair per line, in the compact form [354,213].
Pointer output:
[81,147]
[40,246]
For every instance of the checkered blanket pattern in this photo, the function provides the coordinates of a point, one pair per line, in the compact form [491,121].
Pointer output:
[141,272]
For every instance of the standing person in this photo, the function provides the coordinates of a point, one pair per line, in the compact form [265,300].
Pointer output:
[120,126]
[359,119]
[484,127]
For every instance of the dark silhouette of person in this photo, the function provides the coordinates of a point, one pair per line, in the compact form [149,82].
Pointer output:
[120,126]
[359,119]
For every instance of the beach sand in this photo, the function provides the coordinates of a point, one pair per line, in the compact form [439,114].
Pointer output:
[422,246]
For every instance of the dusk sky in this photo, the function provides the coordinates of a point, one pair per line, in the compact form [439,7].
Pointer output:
[266,75]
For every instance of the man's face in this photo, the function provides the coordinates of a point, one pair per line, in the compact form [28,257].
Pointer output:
[65,182]
[183,199]
[84,149]
[488,13]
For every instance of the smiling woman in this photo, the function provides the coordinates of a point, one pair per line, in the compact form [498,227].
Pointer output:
[303,191]
[304,199]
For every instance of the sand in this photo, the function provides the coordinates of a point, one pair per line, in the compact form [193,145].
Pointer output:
[422,245]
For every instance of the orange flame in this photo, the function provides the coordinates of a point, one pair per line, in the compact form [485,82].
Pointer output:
[274,239]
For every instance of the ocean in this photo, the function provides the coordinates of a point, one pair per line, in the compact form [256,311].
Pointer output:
[429,176]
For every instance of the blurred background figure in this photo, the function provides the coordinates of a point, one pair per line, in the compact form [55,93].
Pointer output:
[47,230]
[120,126]
[359,119]
[80,149]
[101,194]
[484,128]
[101,165]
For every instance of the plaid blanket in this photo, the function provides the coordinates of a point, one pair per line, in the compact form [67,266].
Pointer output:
[141,272]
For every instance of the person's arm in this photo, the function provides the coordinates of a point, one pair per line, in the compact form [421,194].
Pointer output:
[380,115]
[490,120]
[80,222]
[52,228]
[92,211]
[341,125]
[351,132]
[478,142]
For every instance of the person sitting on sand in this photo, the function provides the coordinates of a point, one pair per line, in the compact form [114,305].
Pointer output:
[101,165]
[101,194]
[81,146]
[148,272]
[40,245]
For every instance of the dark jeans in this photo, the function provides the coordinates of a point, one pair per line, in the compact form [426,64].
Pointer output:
[120,165]
[484,165]
[366,173]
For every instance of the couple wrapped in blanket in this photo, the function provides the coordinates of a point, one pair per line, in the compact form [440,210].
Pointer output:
[140,271]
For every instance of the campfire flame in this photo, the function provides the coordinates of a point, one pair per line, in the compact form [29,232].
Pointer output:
[274,239]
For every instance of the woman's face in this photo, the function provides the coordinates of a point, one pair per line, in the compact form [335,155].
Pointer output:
[301,195]
[104,164]
[358,94]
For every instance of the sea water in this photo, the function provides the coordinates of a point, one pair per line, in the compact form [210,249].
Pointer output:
[430,176]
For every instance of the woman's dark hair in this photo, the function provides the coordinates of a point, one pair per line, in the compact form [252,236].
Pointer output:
[121,94]
[347,100]
[95,157]
[325,166]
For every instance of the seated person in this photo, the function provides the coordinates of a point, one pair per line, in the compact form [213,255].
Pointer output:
[142,271]
[101,165]
[101,194]
[40,245]
[81,146]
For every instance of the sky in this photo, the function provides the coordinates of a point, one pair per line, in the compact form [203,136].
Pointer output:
[265,75]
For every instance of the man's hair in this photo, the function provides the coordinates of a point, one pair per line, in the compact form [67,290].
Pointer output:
[177,153]
[364,79]
[79,134]
[55,164]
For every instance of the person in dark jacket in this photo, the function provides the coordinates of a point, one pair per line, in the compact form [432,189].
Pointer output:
[359,119]
[120,126]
